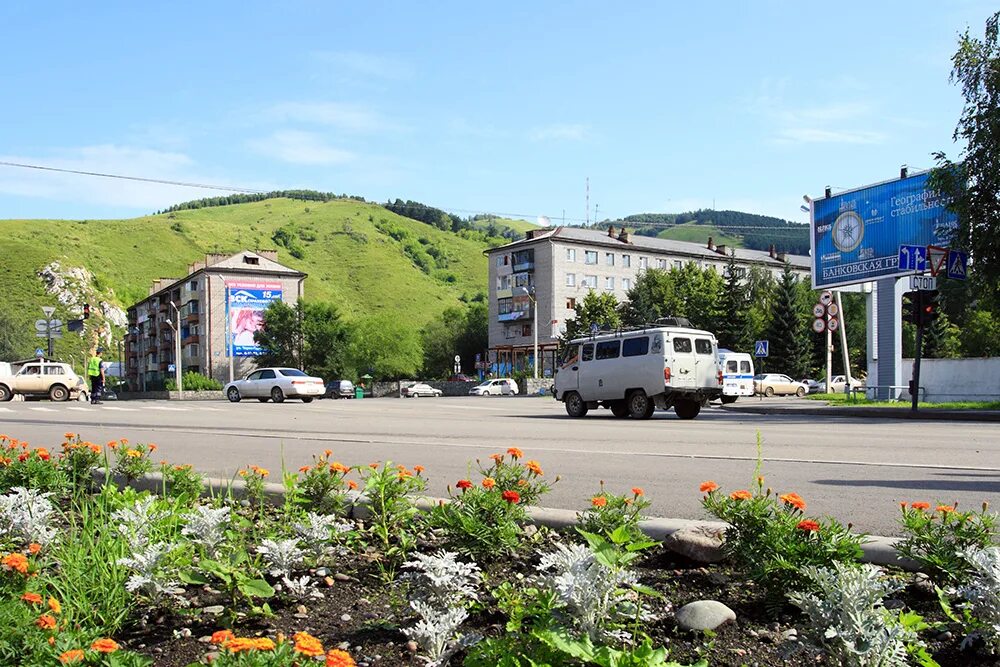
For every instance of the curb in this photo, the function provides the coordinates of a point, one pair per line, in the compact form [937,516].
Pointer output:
[877,550]
[881,413]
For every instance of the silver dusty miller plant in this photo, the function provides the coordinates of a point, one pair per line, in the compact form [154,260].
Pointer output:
[982,595]
[440,588]
[594,599]
[149,565]
[282,556]
[26,515]
[206,527]
[318,533]
[847,618]
[135,522]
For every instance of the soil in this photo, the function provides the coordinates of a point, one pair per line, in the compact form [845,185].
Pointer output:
[359,614]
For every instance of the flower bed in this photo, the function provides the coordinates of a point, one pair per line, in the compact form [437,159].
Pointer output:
[95,572]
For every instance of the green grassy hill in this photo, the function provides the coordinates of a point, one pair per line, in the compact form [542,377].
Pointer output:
[697,233]
[358,255]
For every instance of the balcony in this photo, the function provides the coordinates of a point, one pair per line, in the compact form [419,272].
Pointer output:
[526,265]
[505,293]
[194,338]
[514,316]
[192,317]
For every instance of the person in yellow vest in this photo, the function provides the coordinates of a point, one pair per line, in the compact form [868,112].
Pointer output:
[95,371]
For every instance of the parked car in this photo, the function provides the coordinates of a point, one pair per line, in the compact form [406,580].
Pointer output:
[837,384]
[498,387]
[420,389]
[339,389]
[812,386]
[42,378]
[275,384]
[770,384]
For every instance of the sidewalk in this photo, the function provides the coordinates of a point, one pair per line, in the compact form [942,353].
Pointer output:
[798,407]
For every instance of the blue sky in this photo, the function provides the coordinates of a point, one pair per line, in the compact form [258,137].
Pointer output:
[474,107]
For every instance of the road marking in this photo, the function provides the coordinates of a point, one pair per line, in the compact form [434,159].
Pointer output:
[118,409]
[6,410]
[41,409]
[208,409]
[80,409]
[163,407]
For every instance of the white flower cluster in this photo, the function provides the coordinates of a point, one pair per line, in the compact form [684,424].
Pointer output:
[982,593]
[441,586]
[206,527]
[282,556]
[136,521]
[318,531]
[26,515]
[593,597]
[847,618]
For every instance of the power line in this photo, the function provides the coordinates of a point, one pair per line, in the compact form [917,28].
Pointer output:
[202,186]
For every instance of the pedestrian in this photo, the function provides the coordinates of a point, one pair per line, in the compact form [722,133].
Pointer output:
[95,371]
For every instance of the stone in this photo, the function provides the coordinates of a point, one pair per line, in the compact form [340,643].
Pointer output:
[923,586]
[700,542]
[718,578]
[340,576]
[345,617]
[344,646]
[214,610]
[328,581]
[302,609]
[322,572]
[704,615]
[411,646]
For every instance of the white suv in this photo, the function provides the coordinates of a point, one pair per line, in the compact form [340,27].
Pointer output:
[43,378]
[499,387]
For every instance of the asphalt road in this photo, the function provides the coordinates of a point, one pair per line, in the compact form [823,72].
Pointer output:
[856,469]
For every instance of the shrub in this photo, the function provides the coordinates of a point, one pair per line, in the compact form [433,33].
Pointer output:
[182,481]
[937,540]
[982,595]
[192,381]
[395,521]
[323,487]
[608,512]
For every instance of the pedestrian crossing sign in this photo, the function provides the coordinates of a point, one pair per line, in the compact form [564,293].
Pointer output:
[958,263]
[760,348]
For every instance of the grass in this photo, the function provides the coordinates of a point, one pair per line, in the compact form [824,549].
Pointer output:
[693,232]
[843,400]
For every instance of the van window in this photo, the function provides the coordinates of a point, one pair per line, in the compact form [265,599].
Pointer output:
[731,366]
[682,345]
[703,346]
[608,349]
[588,352]
[635,347]
[744,367]
[54,370]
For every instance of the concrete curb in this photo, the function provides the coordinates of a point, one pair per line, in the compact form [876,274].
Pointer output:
[878,550]
[881,413]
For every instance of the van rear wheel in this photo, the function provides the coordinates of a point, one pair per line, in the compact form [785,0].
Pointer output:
[575,406]
[619,409]
[687,409]
[639,406]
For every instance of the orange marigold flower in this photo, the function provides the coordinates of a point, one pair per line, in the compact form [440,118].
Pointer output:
[351,484]
[46,622]
[305,469]
[637,490]
[43,453]
[69,435]
[23,457]
[239,644]
[534,467]
[515,453]
[944,509]
[327,453]
[497,457]
[742,494]
[338,658]
[104,645]
[112,444]
[263,472]
[263,644]
[512,497]
[55,606]
[94,448]
[337,466]
[795,500]
[418,469]
[373,466]
[15,561]
[133,453]
[920,506]
[306,644]
[152,447]
[522,482]
[33,598]
[71,656]
[222,636]
[403,474]
[808,525]
[598,501]
[708,487]
[463,484]
[489,483]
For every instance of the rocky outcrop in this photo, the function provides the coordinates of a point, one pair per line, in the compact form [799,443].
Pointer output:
[74,286]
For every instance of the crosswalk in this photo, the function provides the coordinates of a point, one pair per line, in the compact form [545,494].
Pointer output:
[111,408]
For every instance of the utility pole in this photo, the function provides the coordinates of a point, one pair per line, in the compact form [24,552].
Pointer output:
[177,350]
[48,310]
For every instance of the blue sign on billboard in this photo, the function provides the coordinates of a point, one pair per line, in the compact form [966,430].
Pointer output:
[856,235]
[245,305]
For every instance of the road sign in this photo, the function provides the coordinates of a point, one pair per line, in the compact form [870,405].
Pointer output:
[832,310]
[833,324]
[819,325]
[826,298]
[594,328]
[819,310]
[923,283]
[39,352]
[760,348]
[958,264]
[458,358]
[55,334]
[171,368]
[41,325]
[913,258]
[48,310]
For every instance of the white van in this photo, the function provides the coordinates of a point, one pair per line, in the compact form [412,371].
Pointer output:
[634,371]
[737,375]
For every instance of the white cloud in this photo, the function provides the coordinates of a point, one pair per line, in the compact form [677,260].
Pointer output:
[560,132]
[365,64]
[298,147]
[335,114]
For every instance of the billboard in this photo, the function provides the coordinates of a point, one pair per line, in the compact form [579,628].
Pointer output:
[856,234]
[245,305]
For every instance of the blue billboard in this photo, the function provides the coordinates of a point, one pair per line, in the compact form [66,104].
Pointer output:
[245,306]
[856,235]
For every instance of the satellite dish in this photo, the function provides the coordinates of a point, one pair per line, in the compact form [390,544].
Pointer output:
[543,221]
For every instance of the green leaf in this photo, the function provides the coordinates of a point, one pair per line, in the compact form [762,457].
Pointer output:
[562,641]
[646,590]
[193,577]
[946,605]
[256,588]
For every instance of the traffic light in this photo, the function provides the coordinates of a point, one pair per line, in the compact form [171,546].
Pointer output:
[86,311]
[911,307]
[929,307]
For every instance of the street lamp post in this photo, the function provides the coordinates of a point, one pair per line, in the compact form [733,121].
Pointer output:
[534,327]
[229,338]
[177,351]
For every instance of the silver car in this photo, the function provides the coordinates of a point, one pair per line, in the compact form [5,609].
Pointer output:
[420,389]
[499,387]
[275,384]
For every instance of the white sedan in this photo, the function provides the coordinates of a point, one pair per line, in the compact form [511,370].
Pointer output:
[499,387]
[420,389]
[275,384]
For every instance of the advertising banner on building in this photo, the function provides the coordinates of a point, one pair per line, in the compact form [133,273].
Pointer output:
[245,305]
[856,235]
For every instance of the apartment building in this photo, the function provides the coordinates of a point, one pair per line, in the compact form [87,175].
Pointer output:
[223,294]
[558,266]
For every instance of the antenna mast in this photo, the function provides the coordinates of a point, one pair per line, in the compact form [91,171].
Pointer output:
[588,201]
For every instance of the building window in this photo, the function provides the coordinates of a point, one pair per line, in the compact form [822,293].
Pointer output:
[503,282]
[609,258]
[678,264]
[643,263]
[525,329]
[509,332]
[504,305]
[570,254]
[609,283]
[661,264]
[193,286]
[193,350]
[523,280]
[590,281]
[499,260]
[571,304]
[627,261]
[247,259]
[570,280]
[626,284]
[590,257]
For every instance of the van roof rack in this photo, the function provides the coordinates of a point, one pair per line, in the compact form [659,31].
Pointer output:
[674,322]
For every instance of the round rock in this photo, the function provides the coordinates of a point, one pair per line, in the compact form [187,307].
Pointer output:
[700,542]
[704,615]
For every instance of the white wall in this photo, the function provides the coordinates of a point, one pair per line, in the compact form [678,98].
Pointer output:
[957,379]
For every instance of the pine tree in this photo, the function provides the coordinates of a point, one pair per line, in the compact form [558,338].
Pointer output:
[787,335]
[734,331]
[941,339]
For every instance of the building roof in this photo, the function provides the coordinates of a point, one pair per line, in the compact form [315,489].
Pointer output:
[654,244]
